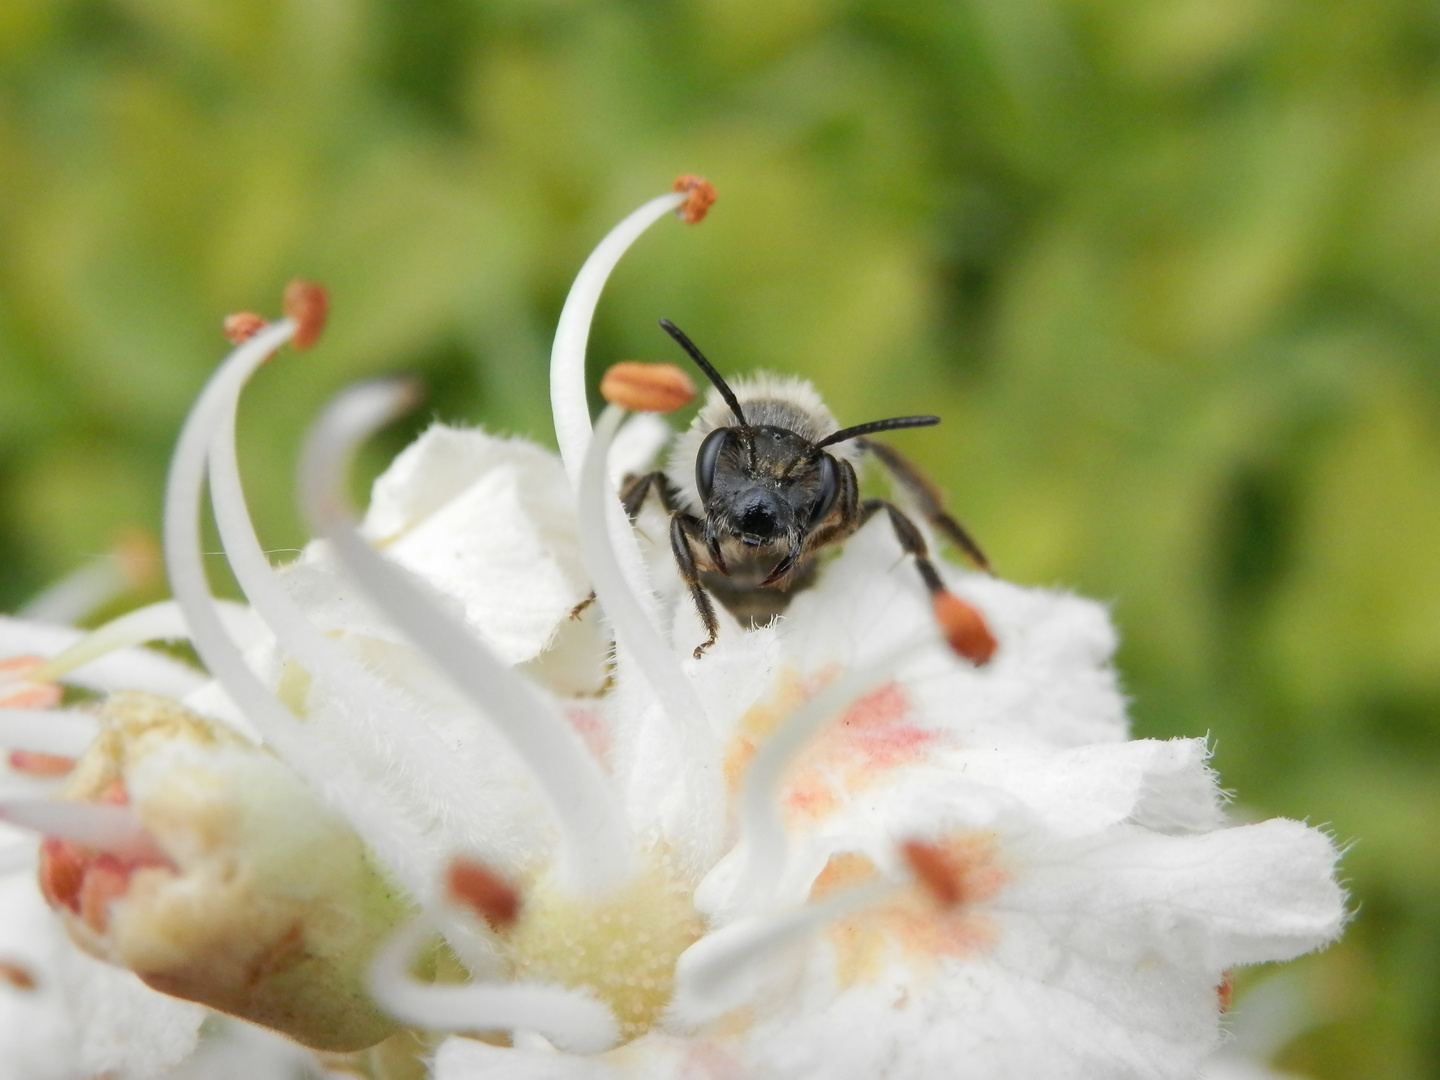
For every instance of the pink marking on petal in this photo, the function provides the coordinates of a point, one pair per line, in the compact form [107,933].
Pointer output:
[873,737]
[590,726]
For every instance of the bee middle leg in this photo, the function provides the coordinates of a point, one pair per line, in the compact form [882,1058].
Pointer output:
[683,529]
[912,542]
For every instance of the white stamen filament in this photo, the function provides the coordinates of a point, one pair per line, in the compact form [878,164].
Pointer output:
[572,334]
[116,829]
[47,731]
[394,841]
[163,621]
[596,844]
[570,1019]
[763,841]
[367,698]
[78,593]
[711,976]
[635,631]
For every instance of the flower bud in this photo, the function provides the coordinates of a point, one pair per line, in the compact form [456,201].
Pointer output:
[265,905]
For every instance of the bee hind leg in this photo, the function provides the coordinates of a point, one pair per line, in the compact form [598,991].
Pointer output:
[911,541]
[684,528]
[927,499]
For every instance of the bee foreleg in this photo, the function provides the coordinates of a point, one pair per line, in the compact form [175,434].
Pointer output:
[683,527]
[637,487]
[911,540]
[927,499]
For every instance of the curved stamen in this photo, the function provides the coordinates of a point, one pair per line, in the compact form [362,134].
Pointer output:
[570,1019]
[604,535]
[763,841]
[567,357]
[116,829]
[99,582]
[421,752]
[394,841]
[595,839]
[711,976]
[163,621]
[47,731]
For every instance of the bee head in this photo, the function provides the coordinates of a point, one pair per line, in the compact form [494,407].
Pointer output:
[764,485]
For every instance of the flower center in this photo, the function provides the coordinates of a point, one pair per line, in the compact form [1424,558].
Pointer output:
[623,948]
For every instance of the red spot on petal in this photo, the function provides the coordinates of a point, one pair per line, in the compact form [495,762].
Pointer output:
[483,891]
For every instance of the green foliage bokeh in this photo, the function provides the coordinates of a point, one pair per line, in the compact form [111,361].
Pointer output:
[1168,269]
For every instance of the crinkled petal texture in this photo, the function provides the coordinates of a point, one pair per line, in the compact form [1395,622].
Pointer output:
[1098,909]
[489,523]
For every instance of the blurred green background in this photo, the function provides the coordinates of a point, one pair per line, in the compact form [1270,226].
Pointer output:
[1168,268]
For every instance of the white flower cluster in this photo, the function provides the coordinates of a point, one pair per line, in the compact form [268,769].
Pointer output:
[419,793]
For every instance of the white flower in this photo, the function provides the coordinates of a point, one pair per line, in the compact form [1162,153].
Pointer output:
[830,848]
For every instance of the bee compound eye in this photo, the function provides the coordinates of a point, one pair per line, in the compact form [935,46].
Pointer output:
[829,490]
[707,459]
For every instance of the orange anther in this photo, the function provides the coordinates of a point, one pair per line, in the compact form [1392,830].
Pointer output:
[658,388]
[138,556]
[964,627]
[483,891]
[62,872]
[33,764]
[307,303]
[701,197]
[935,870]
[1226,991]
[16,693]
[242,326]
[17,975]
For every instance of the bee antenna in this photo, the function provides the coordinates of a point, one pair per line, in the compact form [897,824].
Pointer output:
[705,366]
[893,424]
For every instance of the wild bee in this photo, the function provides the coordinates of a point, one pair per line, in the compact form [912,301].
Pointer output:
[763,480]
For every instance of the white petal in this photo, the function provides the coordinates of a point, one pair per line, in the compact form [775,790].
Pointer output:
[469,1059]
[1245,895]
[490,523]
[1050,682]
